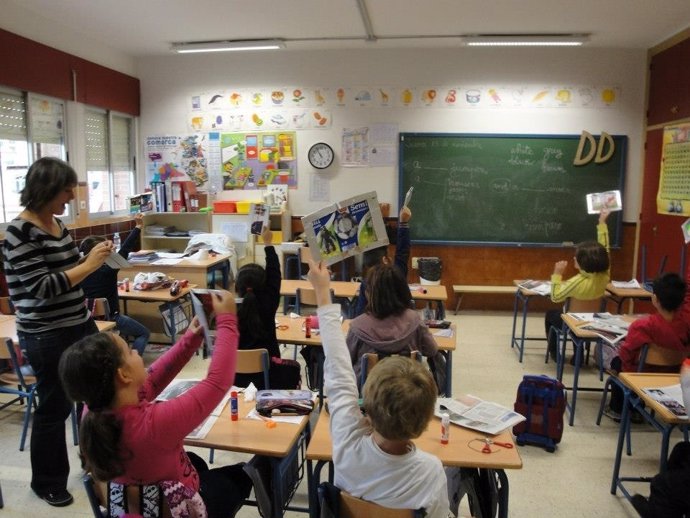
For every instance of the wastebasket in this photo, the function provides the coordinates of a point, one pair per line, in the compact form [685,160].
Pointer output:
[429,270]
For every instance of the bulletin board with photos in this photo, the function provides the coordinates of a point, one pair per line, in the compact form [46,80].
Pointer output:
[673,197]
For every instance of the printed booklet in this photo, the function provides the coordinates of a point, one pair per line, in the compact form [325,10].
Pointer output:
[258,218]
[344,229]
[540,287]
[598,201]
[671,397]
[471,412]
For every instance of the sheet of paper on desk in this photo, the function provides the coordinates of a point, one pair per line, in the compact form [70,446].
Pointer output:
[631,284]
[671,397]
[170,255]
[471,412]
[540,287]
[167,262]
[443,332]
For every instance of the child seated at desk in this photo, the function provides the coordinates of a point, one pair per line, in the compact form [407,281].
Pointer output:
[103,284]
[128,437]
[379,255]
[259,288]
[669,327]
[592,261]
[374,456]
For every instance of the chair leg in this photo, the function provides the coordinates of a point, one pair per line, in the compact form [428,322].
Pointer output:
[604,395]
[25,426]
[75,427]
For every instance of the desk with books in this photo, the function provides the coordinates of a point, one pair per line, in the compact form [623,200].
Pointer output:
[283,443]
[291,331]
[620,295]
[461,452]
[8,326]
[655,413]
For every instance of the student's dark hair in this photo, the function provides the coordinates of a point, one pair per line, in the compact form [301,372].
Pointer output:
[592,257]
[373,257]
[45,179]
[669,289]
[387,291]
[250,278]
[89,242]
[87,370]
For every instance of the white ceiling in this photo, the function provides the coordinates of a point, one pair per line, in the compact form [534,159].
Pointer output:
[148,27]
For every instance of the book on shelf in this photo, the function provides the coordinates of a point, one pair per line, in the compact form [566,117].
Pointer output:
[540,287]
[671,397]
[474,413]
[143,202]
[177,201]
[345,229]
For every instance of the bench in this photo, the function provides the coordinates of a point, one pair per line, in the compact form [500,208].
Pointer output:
[461,289]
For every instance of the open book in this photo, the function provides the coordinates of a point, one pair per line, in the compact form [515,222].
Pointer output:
[540,287]
[611,328]
[344,229]
[598,201]
[671,397]
[476,414]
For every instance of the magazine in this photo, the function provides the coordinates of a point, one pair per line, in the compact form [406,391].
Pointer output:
[178,387]
[141,203]
[344,229]
[631,284]
[258,218]
[540,287]
[116,261]
[203,310]
[471,412]
[598,201]
[671,397]
[610,328]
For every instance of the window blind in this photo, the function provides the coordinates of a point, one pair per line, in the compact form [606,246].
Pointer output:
[12,116]
[120,128]
[96,132]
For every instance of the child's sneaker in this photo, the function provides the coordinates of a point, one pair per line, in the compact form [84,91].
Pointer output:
[612,414]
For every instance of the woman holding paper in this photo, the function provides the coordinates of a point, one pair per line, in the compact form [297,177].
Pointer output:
[43,276]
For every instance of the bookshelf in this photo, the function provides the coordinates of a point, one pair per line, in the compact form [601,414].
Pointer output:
[182,221]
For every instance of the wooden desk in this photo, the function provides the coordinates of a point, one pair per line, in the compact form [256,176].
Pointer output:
[462,289]
[661,418]
[8,326]
[341,290]
[458,453]
[431,293]
[291,331]
[281,443]
[162,296]
[522,298]
[620,295]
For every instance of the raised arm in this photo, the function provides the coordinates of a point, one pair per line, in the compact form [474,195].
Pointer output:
[402,247]
[131,241]
[273,275]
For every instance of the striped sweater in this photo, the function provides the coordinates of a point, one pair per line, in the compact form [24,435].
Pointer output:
[35,265]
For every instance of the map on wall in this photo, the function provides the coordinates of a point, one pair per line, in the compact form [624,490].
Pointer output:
[673,196]
[256,160]
[178,158]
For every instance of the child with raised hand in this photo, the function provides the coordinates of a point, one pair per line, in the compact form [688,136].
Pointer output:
[592,261]
[129,438]
[379,255]
[374,456]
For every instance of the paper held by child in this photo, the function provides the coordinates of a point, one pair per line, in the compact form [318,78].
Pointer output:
[258,218]
[471,412]
[598,201]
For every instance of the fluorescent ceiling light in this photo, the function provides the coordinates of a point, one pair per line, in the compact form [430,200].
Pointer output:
[227,46]
[525,40]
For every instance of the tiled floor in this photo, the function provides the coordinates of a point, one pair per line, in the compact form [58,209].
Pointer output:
[572,482]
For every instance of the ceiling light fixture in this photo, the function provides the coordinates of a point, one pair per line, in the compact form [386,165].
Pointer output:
[227,46]
[525,40]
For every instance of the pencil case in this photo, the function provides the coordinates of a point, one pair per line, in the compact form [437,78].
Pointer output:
[284,402]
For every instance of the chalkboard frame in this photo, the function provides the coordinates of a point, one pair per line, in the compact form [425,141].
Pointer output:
[615,221]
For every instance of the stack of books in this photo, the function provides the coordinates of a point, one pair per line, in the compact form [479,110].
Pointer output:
[158,230]
[142,257]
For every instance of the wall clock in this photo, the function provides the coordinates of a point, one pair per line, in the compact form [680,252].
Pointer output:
[321,155]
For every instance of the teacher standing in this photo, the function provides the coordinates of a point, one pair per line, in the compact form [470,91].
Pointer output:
[43,275]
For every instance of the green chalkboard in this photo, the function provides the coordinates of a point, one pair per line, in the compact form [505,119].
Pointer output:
[507,189]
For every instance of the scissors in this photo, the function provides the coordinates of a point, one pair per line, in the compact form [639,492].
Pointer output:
[488,442]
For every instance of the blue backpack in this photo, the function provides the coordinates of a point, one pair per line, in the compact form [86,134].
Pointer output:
[542,401]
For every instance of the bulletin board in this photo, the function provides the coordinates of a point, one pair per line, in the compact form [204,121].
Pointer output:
[673,197]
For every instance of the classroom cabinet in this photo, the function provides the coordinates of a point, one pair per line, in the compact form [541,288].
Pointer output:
[669,77]
[182,221]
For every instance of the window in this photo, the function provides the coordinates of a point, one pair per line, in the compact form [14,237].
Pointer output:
[20,144]
[109,163]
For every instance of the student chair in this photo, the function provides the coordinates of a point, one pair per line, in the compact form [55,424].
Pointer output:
[250,361]
[110,500]
[99,308]
[369,360]
[336,503]
[306,297]
[25,389]
[6,306]
[573,305]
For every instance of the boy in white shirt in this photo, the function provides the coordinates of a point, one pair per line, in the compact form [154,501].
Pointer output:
[374,456]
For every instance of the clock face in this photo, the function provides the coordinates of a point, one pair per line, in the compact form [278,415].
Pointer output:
[321,155]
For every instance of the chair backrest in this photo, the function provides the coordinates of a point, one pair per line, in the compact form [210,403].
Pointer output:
[109,499]
[99,307]
[307,297]
[253,361]
[654,357]
[338,503]
[6,306]
[16,377]
[369,360]
[574,305]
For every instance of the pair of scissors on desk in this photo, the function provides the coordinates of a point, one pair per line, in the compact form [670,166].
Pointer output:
[488,442]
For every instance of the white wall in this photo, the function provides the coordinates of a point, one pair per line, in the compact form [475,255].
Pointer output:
[167,84]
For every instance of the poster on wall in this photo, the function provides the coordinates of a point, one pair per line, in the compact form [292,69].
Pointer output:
[258,159]
[178,158]
[673,197]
